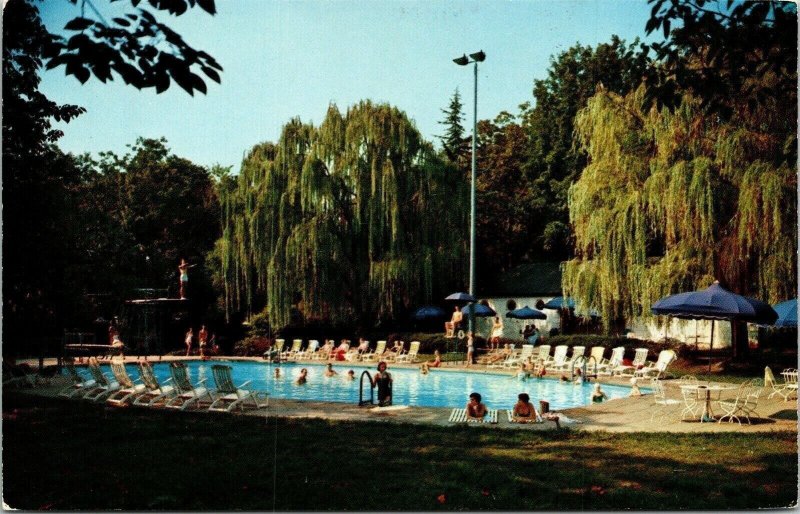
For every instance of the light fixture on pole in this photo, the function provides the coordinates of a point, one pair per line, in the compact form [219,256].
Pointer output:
[463,61]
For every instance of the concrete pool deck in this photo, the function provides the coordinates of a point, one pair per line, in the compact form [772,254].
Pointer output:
[632,414]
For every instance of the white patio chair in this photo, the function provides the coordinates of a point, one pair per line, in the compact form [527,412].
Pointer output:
[665,358]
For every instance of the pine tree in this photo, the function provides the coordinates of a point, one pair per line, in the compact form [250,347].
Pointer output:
[453,141]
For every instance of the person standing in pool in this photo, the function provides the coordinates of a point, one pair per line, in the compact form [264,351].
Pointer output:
[383,380]
[303,378]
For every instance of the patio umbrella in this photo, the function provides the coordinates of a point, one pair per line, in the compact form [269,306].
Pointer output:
[559,302]
[481,310]
[714,303]
[429,313]
[526,313]
[461,297]
[787,313]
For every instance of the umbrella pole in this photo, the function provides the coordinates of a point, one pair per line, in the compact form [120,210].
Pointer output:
[710,347]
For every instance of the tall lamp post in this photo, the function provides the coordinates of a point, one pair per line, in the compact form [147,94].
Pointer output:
[463,61]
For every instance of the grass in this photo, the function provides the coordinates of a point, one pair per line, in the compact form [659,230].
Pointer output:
[61,454]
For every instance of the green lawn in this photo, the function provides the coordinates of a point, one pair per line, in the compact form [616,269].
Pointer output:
[71,455]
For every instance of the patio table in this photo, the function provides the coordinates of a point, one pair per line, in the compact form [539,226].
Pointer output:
[705,393]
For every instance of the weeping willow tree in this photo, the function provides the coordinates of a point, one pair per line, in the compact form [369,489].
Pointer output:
[671,201]
[355,219]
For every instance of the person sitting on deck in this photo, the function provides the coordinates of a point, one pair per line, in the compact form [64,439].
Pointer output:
[454,323]
[475,409]
[437,362]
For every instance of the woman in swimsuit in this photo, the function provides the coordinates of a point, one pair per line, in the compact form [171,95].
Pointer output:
[523,411]
[383,380]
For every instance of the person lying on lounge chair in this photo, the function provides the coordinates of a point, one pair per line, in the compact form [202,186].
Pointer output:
[524,411]
[475,409]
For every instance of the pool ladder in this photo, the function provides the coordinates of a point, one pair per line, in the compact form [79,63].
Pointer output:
[584,365]
[361,400]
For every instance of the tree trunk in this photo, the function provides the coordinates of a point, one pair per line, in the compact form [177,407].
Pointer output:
[739,342]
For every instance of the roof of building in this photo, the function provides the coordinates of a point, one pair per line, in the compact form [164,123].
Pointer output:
[531,279]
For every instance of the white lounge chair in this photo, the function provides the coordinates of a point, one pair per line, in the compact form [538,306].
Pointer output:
[309,352]
[155,393]
[129,390]
[595,357]
[639,360]
[542,353]
[665,358]
[292,352]
[230,397]
[784,390]
[515,360]
[460,416]
[559,358]
[103,386]
[411,356]
[377,354]
[607,366]
[575,359]
[391,356]
[537,418]
[187,395]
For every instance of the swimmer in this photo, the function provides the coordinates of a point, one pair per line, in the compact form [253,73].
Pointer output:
[330,371]
[277,372]
[303,378]
[351,375]
[635,391]
[598,395]
[424,368]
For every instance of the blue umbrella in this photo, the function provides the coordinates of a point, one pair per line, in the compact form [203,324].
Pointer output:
[559,302]
[526,313]
[712,303]
[481,310]
[461,297]
[429,313]
[787,313]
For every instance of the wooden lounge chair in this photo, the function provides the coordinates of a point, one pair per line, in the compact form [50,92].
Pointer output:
[411,356]
[187,395]
[665,358]
[129,390]
[79,384]
[230,397]
[155,393]
[103,386]
[460,416]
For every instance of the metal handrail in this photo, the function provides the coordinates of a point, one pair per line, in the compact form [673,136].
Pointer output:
[361,401]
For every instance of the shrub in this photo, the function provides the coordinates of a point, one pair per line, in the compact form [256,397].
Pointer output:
[252,346]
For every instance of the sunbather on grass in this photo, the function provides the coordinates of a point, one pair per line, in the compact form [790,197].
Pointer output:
[475,409]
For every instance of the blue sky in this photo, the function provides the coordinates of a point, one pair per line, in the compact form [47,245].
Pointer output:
[292,58]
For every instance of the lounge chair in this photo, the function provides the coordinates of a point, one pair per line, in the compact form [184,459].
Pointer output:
[745,403]
[522,357]
[187,394]
[79,384]
[595,356]
[460,416]
[575,359]
[537,418]
[411,356]
[665,358]
[607,366]
[559,358]
[377,355]
[542,353]
[230,397]
[639,359]
[293,351]
[784,390]
[129,388]
[155,393]
[276,350]
[103,386]
[391,355]
[309,352]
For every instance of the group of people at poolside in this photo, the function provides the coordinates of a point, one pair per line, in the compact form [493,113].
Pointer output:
[523,412]
[204,343]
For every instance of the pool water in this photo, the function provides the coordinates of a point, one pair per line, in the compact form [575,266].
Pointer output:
[410,387]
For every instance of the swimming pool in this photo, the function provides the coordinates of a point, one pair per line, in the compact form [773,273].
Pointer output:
[437,389]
